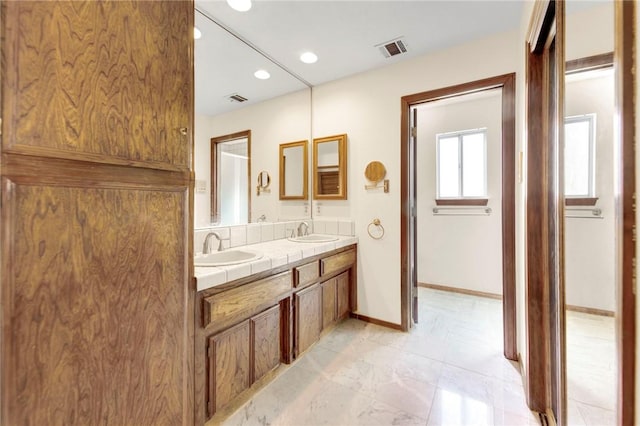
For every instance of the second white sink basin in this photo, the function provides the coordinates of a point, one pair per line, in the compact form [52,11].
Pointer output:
[314,238]
[227,257]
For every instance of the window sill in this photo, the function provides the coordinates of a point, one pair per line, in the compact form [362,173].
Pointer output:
[580,201]
[462,202]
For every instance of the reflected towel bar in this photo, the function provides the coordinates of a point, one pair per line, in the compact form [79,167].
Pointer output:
[462,211]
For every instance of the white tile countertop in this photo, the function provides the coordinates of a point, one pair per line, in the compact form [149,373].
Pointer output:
[274,254]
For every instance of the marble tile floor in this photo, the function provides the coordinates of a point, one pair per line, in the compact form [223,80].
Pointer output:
[591,369]
[449,370]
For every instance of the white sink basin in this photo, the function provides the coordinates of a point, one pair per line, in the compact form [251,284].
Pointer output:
[314,238]
[227,257]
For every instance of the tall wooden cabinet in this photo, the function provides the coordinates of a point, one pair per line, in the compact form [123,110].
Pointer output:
[97,310]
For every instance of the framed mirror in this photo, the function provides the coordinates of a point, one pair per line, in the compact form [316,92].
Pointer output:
[330,168]
[294,171]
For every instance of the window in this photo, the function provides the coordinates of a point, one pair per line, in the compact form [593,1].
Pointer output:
[462,165]
[579,158]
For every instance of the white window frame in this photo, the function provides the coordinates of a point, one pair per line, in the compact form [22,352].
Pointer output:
[591,119]
[460,135]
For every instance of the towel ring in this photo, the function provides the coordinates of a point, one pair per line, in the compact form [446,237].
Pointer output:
[376,223]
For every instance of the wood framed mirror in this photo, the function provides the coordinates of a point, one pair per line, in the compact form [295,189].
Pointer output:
[330,168]
[294,170]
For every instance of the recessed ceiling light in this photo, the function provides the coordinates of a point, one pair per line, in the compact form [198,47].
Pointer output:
[309,57]
[262,74]
[196,33]
[239,5]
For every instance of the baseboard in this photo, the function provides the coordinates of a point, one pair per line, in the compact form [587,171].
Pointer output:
[376,321]
[592,311]
[461,291]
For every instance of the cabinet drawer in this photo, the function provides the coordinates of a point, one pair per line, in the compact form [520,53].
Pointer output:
[232,306]
[337,262]
[306,274]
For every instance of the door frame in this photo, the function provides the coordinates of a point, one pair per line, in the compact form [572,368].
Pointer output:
[215,199]
[545,378]
[507,83]
[624,157]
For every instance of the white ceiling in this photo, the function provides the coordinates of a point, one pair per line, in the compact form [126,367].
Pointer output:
[342,33]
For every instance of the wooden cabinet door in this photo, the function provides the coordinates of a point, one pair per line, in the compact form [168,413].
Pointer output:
[99,81]
[343,290]
[328,303]
[229,365]
[308,312]
[96,302]
[265,331]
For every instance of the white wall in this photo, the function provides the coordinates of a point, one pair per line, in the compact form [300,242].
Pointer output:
[280,120]
[589,32]
[203,132]
[589,243]
[460,251]
[367,108]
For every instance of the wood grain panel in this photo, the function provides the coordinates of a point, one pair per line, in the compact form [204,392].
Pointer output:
[228,308]
[95,306]
[337,262]
[265,335]
[306,274]
[328,303]
[626,205]
[99,81]
[308,311]
[229,365]
[343,291]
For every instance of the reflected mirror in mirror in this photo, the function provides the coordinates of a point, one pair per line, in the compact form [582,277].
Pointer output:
[230,190]
[330,168]
[264,180]
[294,171]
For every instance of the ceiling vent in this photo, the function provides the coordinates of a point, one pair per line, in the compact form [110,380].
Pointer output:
[236,98]
[393,47]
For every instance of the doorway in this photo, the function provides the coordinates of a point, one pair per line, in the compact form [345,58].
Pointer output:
[230,179]
[409,302]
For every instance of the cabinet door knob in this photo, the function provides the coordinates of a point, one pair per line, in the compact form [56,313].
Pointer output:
[183,131]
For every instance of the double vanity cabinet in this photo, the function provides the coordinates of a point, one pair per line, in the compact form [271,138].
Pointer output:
[249,327]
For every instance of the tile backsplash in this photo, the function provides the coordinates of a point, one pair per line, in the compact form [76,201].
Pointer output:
[253,233]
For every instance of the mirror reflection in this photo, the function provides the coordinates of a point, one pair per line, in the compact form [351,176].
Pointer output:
[224,75]
[589,224]
[264,180]
[294,171]
[230,190]
[330,168]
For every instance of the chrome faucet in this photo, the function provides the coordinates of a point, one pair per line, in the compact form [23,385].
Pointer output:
[262,218]
[206,247]
[306,229]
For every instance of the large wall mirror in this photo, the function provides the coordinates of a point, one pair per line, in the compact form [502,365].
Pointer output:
[230,99]
[590,233]
[330,168]
[294,171]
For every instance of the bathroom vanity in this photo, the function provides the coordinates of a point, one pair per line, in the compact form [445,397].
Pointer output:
[248,327]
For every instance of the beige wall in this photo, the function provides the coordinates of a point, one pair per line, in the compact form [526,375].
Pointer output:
[454,250]
[367,108]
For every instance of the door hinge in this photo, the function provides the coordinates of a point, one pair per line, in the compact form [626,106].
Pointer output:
[414,132]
